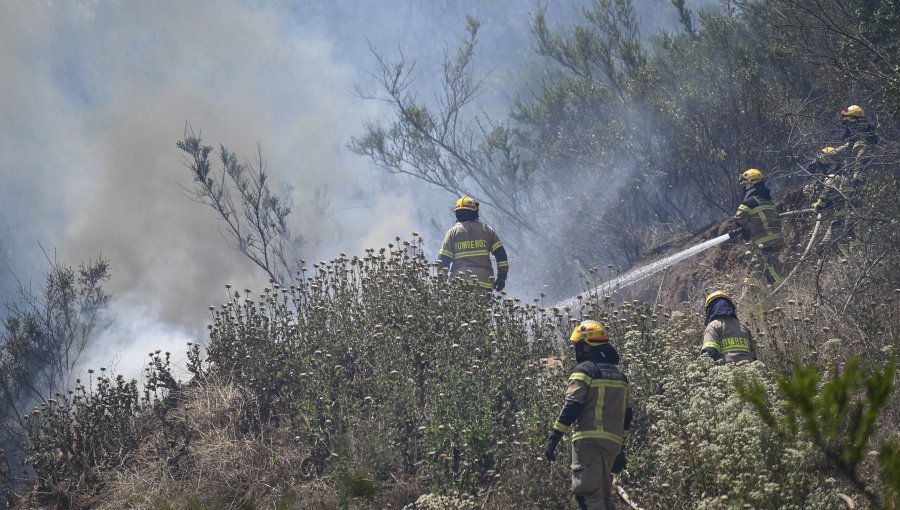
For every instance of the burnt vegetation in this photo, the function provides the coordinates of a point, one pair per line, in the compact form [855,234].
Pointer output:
[369,381]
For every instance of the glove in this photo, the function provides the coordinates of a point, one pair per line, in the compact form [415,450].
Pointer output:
[620,462]
[500,282]
[735,232]
[712,353]
[550,446]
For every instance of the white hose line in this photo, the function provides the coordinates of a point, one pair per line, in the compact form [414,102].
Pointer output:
[798,211]
[625,497]
[812,238]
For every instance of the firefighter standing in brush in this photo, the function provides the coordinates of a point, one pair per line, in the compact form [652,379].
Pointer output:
[469,244]
[725,338]
[839,192]
[758,220]
[834,195]
[598,413]
[859,137]
[826,162]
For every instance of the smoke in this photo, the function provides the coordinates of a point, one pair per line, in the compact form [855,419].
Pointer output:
[95,94]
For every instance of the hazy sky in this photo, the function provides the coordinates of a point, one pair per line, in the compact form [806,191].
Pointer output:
[95,94]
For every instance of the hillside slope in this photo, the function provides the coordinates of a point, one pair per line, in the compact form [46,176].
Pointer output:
[376,385]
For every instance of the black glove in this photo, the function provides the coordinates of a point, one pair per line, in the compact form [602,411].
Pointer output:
[620,462]
[713,353]
[550,446]
[500,282]
[735,232]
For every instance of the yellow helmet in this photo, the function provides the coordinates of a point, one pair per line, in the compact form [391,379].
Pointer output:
[716,295]
[853,112]
[591,332]
[466,202]
[751,176]
[825,154]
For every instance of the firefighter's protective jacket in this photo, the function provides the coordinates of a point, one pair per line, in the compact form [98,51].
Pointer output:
[730,338]
[857,137]
[468,246]
[837,189]
[759,218]
[597,403]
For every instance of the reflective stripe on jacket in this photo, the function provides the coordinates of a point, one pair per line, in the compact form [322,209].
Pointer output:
[730,337]
[468,246]
[837,188]
[601,392]
[758,215]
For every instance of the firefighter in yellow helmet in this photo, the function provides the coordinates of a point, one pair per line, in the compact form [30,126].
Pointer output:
[597,411]
[758,221]
[859,135]
[839,192]
[836,193]
[468,246]
[725,338]
[827,161]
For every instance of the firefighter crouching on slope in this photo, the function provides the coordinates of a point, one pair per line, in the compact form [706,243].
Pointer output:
[758,220]
[468,246]
[598,413]
[725,338]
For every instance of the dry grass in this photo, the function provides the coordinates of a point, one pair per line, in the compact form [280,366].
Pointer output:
[213,462]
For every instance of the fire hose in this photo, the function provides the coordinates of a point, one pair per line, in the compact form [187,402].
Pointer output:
[812,239]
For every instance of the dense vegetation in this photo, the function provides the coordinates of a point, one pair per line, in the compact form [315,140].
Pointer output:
[370,382]
[374,383]
[635,137]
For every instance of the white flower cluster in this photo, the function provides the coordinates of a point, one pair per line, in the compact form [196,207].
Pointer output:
[443,502]
[697,444]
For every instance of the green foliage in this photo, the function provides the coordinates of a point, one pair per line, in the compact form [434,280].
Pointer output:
[379,365]
[890,462]
[72,435]
[838,414]
[695,443]
[853,45]
[442,143]
[374,381]
[644,136]
[41,342]
[255,217]
[94,427]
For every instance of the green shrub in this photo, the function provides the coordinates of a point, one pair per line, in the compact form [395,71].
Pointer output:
[381,367]
[374,381]
[836,413]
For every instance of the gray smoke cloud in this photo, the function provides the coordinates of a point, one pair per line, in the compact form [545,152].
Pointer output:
[95,96]
[95,93]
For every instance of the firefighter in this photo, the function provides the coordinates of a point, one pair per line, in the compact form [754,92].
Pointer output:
[757,220]
[598,413]
[837,194]
[859,135]
[725,338]
[840,190]
[826,162]
[468,246]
